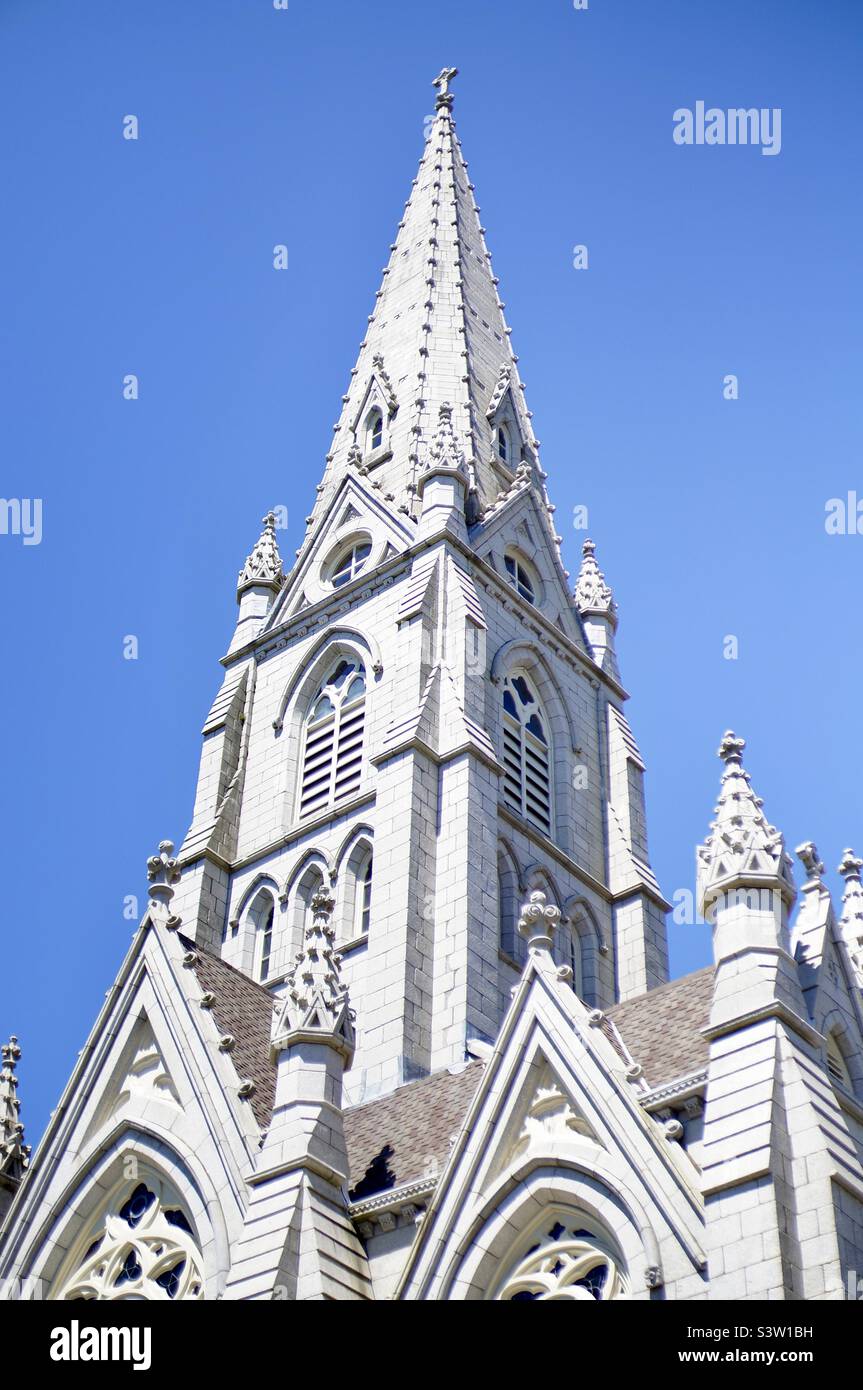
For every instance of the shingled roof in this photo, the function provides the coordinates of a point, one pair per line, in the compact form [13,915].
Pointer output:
[244,1009]
[662,1029]
[404,1136]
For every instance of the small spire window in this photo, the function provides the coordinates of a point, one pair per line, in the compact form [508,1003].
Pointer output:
[502,444]
[836,1064]
[374,431]
[519,577]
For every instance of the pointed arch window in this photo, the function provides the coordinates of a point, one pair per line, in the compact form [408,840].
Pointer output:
[526,753]
[333,746]
[262,915]
[503,449]
[374,430]
[141,1247]
[566,1260]
[364,894]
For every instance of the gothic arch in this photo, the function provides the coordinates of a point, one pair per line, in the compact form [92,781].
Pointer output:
[338,641]
[357,832]
[261,880]
[523,652]
[589,1182]
[835,1025]
[310,856]
[510,890]
[102,1176]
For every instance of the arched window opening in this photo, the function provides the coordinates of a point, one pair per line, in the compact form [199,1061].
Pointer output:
[526,754]
[566,1260]
[333,752]
[364,894]
[519,577]
[507,886]
[309,884]
[836,1064]
[262,916]
[141,1247]
[349,563]
[374,431]
[502,444]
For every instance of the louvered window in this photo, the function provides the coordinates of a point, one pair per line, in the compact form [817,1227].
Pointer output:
[836,1064]
[333,753]
[526,758]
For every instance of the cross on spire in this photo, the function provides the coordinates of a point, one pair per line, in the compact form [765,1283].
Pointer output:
[442,81]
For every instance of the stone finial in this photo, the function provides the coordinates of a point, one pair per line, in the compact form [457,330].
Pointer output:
[442,81]
[537,922]
[851,918]
[14,1153]
[264,565]
[807,853]
[742,848]
[162,873]
[316,1004]
[593,596]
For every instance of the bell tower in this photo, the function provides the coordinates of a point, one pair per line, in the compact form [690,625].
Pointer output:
[424,719]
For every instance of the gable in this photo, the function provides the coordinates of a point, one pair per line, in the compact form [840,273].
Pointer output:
[354,513]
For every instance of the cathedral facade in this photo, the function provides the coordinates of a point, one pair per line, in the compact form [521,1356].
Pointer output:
[397,1023]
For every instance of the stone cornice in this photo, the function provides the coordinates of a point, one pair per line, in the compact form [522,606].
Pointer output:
[679,1089]
[391,1198]
[777,1010]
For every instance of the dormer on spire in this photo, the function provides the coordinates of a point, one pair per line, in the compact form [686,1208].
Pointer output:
[14,1153]
[851,920]
[443,483]
[316,1006]
[597,609]
[264,566]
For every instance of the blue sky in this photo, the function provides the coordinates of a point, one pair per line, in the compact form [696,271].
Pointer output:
[304,127]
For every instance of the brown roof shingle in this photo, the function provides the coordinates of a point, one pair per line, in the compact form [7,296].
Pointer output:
[244,1009]
[662,1028]
[405,1135]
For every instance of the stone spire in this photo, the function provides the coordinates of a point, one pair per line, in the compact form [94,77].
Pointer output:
[264,565]
[851,920]
[442,485]
[14,1153]
[438,324]
[316,1006]
[742,849]
[597,609]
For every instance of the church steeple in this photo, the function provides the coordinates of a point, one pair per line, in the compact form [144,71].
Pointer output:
[14,1153]
[437,335]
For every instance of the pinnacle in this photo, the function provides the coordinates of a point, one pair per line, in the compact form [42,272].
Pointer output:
[742,845]
[592,594]
[264,565]
[316,1000]
[14,1153]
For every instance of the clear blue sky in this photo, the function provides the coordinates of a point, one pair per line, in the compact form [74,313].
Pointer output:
[305,127]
